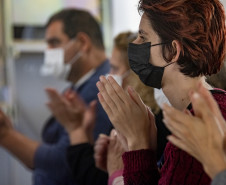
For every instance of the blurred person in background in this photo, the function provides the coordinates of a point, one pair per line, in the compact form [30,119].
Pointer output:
[218,80]
[75,53]
[121,72]
[107,149]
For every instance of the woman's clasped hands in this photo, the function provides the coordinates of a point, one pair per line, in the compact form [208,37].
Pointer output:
[129,115]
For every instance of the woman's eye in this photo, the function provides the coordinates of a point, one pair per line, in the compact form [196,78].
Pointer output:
[142,38]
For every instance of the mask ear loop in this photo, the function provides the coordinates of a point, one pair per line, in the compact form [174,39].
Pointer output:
[163,44]
[168,64]
[77,56]
[69,43]
[160,44]
[74,58]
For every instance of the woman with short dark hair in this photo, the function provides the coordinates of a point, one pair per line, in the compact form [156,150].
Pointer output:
[179,42]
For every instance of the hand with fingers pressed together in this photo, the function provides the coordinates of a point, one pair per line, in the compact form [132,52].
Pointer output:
[128,114]
[5,126]
[202,135]
[71,111]
[108,152]
[100,151]
[114,155]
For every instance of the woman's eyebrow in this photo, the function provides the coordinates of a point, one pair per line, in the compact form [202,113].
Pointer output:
[142,32]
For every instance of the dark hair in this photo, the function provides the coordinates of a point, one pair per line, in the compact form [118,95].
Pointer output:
[76,21]
[121,42]
[198,25]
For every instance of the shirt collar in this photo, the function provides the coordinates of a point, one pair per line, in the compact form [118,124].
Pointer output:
[84,78]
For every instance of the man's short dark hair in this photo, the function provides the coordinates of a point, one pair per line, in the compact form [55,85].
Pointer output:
[75,21]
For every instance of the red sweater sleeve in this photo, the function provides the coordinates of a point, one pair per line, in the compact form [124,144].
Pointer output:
[140,167]
[179,168]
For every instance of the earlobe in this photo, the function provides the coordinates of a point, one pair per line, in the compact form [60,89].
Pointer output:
[177,47]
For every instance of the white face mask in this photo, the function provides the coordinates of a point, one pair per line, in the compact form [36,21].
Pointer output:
[160,97]
[54,63]
[118,78]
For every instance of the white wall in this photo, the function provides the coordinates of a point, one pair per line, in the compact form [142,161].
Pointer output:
[224,3]
[125,16]
[32,113]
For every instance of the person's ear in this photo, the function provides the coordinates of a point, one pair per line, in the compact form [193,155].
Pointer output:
[177,50]
[85,41]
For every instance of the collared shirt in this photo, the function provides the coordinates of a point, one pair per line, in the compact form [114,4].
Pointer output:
[84,78]
[51,166]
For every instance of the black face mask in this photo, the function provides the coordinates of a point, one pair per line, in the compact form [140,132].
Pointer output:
[139,56]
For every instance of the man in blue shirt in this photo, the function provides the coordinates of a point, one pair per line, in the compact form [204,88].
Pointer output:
[75,53]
